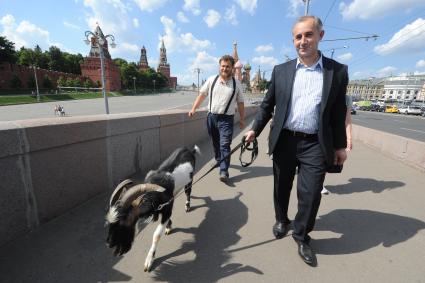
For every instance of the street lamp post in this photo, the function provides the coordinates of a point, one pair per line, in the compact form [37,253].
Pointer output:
[153,86]
[198,70]
[134,84]
[100,41]
[36,83]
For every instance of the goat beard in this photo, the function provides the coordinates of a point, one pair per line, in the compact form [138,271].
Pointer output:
[121,238]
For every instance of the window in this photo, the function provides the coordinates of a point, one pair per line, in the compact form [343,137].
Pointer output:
[391,92]
[408,92]
[399,92]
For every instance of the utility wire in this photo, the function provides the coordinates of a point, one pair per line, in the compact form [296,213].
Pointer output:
[330,9]
[398,41]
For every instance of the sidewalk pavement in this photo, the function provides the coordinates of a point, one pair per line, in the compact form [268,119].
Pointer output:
[371,228]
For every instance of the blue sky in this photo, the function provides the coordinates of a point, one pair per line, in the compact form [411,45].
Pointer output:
[198,32]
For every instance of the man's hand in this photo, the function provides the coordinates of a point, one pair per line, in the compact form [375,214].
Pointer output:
[349,145]
[191,113]
[340,156]
[241,124]
[250,136]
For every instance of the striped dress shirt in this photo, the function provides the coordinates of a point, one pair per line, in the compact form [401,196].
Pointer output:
[304,108]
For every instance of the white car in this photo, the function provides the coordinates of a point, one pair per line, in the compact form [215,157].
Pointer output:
[414,110]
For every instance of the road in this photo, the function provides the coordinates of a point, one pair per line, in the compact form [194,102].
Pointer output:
[123,104]
[408,126]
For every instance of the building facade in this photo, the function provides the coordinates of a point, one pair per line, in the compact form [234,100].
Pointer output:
[143,62]
[91,67]
[164,67]
[399,88]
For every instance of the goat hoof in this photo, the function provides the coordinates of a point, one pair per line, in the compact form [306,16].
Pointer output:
[168,231]
[187,207]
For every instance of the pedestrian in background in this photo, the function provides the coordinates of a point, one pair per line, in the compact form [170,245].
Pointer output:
[225,94]
[307,95]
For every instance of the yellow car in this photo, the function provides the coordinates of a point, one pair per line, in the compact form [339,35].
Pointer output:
[391,109]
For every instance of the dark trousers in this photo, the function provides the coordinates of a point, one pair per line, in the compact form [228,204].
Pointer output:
[220,129]
[306,153]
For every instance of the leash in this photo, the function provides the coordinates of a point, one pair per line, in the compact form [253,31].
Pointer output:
[243,145]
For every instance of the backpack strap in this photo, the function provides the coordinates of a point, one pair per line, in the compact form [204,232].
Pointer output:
[233,94]
[211,91]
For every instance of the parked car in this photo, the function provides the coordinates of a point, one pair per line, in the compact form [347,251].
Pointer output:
[381,108]
[391,109]
[374,107]
[413,110]
[353,110]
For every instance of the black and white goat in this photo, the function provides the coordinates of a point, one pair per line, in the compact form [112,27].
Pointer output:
[130,202]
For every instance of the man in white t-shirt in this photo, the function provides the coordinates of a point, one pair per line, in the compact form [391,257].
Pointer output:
[225,94]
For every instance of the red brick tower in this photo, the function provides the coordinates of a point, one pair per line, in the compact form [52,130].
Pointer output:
[143,63]
[164,67]
[91,66]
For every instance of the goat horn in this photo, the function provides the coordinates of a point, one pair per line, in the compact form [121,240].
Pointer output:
[134,192]
[118,192]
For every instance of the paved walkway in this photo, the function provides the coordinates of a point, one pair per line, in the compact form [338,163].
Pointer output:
[371,228]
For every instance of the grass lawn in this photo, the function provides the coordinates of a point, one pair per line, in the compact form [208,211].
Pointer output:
[22,99]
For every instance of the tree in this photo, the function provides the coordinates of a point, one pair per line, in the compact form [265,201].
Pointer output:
[57,61]
[25,56]
[61,81]
[127,73]
[7,51]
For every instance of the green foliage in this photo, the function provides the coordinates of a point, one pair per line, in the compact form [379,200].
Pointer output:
[88,83]
[7,50]
[61,81]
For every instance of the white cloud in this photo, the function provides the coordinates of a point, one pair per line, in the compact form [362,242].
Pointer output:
[192,6]
[136,23]
[182,17]
[70,25]
[345,57]
[247,5]
[265,60]
[420,64]
[150,5]
[111,15]
[230,15]
[176,41]
[366,9]
[25,33]
[206,62]
[212,18]
[128,47]
[293,8]
[264,48]
[410,39]
[386,71]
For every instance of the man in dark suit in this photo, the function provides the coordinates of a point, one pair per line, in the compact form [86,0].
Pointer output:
[307,97]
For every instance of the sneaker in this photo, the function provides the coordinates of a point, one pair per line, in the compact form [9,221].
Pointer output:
[325,191]
[224,176]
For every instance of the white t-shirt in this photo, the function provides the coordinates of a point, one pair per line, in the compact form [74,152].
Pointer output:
[221,95]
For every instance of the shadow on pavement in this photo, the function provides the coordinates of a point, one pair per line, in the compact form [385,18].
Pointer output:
[216,233]
[360,185]
[362,230]
[70,248]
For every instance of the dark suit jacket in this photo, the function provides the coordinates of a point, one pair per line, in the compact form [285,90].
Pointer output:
[331,132]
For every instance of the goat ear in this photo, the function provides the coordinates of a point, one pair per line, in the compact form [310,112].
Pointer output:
[119,191]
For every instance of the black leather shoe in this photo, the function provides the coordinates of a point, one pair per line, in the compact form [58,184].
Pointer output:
[280,229]
[306,253]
